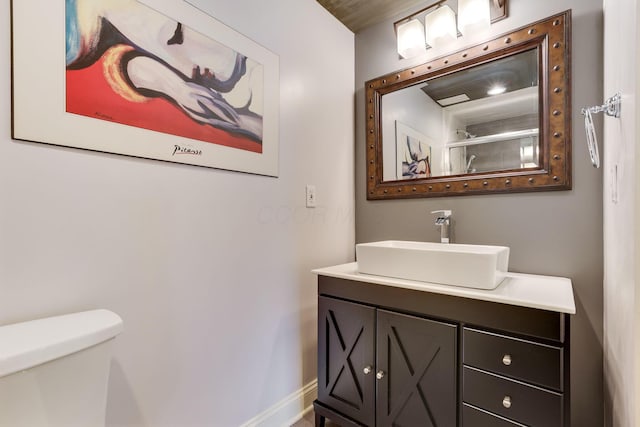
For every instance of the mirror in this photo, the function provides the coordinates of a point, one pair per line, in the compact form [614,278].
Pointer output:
[491,118]
[482,119]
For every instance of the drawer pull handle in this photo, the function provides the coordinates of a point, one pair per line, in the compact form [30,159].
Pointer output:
[367,370]
[506,402]
[506,360]
[379,375]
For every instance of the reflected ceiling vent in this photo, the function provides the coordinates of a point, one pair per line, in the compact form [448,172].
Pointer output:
[453,100]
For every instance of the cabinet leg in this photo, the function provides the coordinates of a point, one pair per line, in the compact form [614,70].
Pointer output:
[319,420]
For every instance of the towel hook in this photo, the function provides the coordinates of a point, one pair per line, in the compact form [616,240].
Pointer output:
[611,108]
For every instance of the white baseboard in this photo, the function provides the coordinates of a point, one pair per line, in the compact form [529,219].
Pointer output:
[287,411]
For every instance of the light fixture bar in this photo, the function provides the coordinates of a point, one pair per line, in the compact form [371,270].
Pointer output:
[417,15]
[498,12]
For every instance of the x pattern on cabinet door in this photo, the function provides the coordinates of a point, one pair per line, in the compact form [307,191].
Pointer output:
[343,362]
[418,357]
[414,360]
[412,384]
[347,340]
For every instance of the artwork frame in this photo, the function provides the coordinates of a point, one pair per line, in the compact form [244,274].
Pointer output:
[39,99]
[421,165]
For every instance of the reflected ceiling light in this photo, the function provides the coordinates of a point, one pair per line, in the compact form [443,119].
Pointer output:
[440,23]
[441,26]
[496,90]
[411,39]
[473,16]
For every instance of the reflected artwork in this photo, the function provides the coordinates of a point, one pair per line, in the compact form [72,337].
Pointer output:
[413,153]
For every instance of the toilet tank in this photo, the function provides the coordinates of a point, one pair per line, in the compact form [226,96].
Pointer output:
[54,371]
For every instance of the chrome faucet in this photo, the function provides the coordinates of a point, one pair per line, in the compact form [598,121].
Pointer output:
[444,221]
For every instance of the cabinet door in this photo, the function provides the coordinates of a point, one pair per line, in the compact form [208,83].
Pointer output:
[417,358]
[346,347]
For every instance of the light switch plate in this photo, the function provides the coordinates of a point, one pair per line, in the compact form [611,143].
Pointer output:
[311,196]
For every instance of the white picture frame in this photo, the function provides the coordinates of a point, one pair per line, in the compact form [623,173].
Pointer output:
[39,90]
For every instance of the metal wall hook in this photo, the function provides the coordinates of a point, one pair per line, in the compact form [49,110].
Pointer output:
[611,108]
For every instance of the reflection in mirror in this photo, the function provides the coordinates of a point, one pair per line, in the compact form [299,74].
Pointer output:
[481,119]
[491,118]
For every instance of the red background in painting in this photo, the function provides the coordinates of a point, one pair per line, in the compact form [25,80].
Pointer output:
[89,94]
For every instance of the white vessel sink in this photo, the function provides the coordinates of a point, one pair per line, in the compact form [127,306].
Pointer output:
[473,266]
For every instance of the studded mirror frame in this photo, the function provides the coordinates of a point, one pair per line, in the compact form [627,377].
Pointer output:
[552,36]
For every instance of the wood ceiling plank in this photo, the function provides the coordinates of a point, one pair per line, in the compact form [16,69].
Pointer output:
[359,14]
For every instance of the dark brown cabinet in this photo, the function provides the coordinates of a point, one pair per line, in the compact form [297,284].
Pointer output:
[417,358]
[513,378]
[535,363]
[346,364]
[390,356]
[384,368]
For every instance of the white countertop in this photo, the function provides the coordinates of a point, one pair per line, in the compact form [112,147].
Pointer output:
[525,290]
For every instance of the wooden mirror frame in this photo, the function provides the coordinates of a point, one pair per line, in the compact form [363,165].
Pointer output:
[552,36]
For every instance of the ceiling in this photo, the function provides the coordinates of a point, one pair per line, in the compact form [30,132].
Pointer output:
[359,14]
[513,72]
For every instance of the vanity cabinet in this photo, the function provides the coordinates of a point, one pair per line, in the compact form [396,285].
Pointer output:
[392,356]
[384,368]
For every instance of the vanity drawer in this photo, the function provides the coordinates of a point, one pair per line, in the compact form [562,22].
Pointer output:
[474,417]
[538,364]
[511,399]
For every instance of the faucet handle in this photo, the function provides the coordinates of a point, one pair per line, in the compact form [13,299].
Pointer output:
[445,213]
[443,220]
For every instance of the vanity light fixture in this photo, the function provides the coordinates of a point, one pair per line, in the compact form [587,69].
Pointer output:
[443,23]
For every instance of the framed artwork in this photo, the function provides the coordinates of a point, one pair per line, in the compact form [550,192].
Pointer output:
[154,79]
[413,153]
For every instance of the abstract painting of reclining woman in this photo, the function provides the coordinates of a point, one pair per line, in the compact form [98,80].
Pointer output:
[172,85]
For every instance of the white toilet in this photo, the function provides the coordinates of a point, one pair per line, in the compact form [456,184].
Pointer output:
[54,372]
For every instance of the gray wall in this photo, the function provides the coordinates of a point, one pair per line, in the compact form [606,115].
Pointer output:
[553,233]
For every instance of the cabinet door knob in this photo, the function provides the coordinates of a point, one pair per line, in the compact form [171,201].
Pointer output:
[367,370]
[379,375]
[506,402]
[506,359]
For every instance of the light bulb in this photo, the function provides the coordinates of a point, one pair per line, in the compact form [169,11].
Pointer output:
[411,39]
[441,26]
[473,16]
